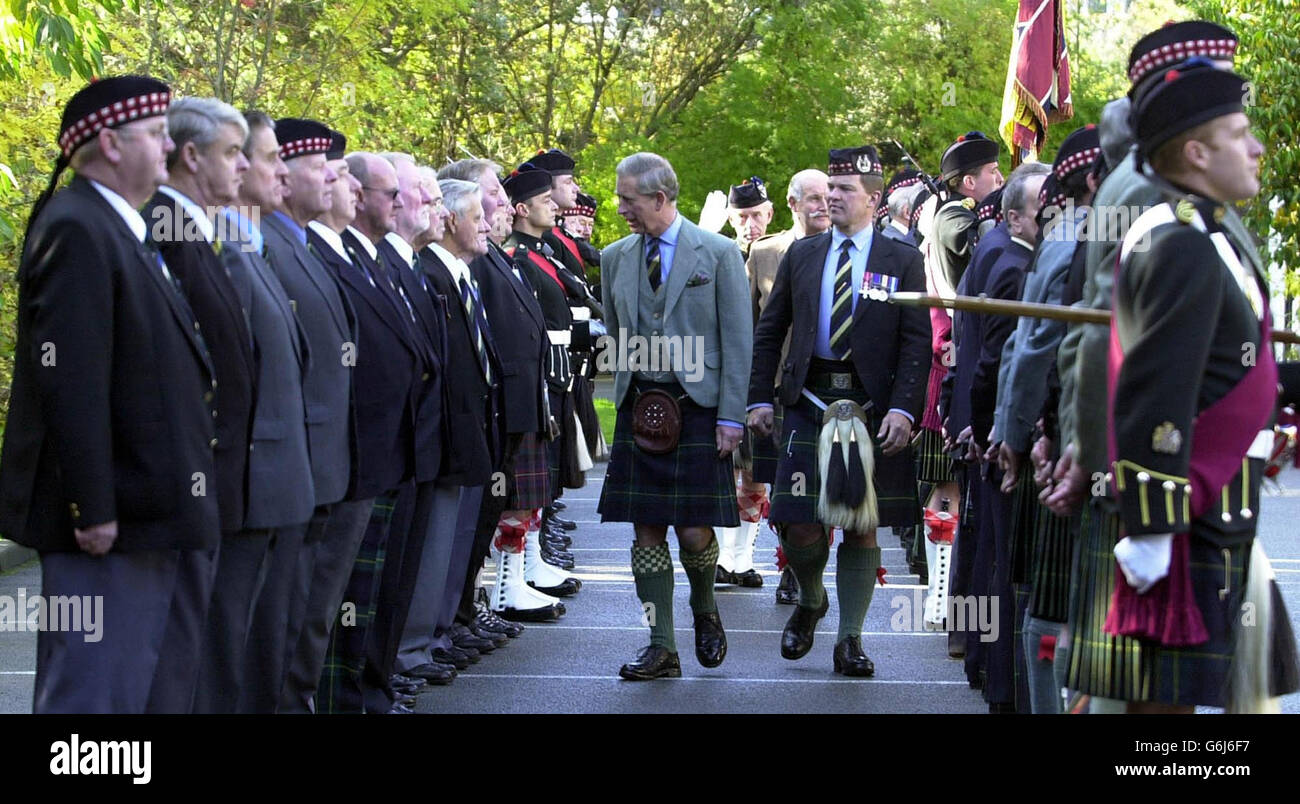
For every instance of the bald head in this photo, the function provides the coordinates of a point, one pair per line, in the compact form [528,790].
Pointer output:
[806,197]
[380,200]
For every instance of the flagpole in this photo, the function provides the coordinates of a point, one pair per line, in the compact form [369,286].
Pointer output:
[1056,312]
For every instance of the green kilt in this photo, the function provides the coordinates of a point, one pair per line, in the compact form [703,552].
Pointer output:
[764,457]
[1024,519]
[797,470]
[690,486]
[1049,567]
[1139,670]
[933,465]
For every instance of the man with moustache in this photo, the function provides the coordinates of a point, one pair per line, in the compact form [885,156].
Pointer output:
[805,195]
[519,331]
[110,418]
[847,347]
[204,173]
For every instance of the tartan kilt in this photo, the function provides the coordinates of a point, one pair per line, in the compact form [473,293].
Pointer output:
[894,477]
[933,465]
[1049,567]
[689,486]
[1024,521]
[1139,670]
[530,474]
[764,451]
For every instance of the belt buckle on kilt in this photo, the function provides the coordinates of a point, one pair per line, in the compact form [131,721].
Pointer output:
[841,381]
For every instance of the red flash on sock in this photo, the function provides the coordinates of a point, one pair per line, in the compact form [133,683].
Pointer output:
[511,533]
[880,575]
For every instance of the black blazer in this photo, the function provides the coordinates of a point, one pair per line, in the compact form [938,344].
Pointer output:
[387,364]
[224,322]
[519,331]
[427,395]
[110,415]
[891,344]
[967,332]
[472,437]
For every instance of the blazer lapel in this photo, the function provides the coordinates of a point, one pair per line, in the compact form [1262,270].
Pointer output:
[684,262]
[808,287]
[340,318]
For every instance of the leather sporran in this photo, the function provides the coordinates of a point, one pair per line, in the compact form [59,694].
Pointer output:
[656,422]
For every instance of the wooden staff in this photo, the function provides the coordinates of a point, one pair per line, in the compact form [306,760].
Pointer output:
[1058,312]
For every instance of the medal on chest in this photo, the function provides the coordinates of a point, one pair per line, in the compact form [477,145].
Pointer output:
[877,287]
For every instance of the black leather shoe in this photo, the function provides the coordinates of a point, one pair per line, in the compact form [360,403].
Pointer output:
[787,591]
[400,708]
[797,638]
[407,685]
[453,656]
[653,662]
[486,620]
[566,524]
[465,639]
[710,639]
[558,505]
[851,661]
[557,542]
[557,558]
[555,533]
[750,579]
[545,614]
[434,673]
[723,576]
[569,588]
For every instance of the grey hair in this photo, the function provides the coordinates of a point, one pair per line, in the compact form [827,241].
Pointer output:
[255,120]
[468,169]
[459,195]
[198,120]
[795,188]
[394,157]
[359,165]
[652,172]
[1014,194]
[901,200]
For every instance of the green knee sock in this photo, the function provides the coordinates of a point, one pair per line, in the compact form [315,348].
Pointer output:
[855,581]
[700,569]
[652,568]
[808,564]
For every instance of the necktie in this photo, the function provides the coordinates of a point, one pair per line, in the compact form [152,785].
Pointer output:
[842,304]
[652,263]
[468,299]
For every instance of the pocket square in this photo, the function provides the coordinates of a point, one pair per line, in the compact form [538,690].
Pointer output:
[698,279]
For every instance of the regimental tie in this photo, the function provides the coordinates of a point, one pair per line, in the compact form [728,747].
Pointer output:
[842,304]
[652,263]
[469,300]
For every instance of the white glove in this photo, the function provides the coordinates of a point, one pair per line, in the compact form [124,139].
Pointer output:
[1144,560]
[714,213]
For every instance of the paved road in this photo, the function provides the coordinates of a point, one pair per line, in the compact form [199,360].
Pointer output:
[572,666]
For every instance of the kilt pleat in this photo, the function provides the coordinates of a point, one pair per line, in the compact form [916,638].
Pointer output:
[933,465]
[1024,521]
[530,480]
[690,486]
[1049,567]
[764,450]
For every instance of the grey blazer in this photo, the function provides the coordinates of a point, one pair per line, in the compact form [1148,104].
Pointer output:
[280,491]
[327,321]
[707,304]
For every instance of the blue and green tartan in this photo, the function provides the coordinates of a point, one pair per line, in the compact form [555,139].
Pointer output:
[339,691]
[530,475]
[690,486]
[895,476]
[933,465]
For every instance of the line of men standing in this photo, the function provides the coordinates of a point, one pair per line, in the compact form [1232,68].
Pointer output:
[271,400]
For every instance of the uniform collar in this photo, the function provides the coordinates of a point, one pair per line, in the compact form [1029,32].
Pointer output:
[365,242]
[332,238]
[402,247]
[192,209]
[120,205]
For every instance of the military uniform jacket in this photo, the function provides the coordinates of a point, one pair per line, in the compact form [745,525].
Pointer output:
[473,440]
[954,237]
[327,321]
[891,344]
[224,322]
[519,332]
[110,411]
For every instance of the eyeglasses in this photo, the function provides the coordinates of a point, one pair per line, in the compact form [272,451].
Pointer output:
[392,194]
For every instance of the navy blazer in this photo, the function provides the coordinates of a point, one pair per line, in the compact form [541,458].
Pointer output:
[519,331]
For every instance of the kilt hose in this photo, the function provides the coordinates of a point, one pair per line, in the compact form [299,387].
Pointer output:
[529,479]
[798,481]
[690,486]
[340,690]
[1139,670]
[933,465]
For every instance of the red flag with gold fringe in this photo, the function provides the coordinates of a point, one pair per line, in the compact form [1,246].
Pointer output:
[1038,78]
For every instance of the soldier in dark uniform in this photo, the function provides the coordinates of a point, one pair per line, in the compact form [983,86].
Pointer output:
[529,190]
[847,347]
[107,467]
[580,220]
[970,172]
[749,211]
[900,198]
[1190,420]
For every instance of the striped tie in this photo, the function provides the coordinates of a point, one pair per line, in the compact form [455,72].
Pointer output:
[842,304]
[471,310]
[652,263]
